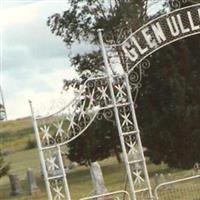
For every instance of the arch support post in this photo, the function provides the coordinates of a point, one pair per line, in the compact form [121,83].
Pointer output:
[41,154]
[52,165]
[132,150]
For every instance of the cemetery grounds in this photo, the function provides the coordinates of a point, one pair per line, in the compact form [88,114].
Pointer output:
[18,143]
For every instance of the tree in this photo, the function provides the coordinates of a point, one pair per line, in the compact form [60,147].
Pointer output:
[4,168]
[169,109]
[95,144]
[2,112]
[80,23]
[168,105]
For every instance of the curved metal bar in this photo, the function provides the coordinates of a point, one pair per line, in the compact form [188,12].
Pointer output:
[93,97]
[160,48]
[173,182]
[107,195]
[73,138]
[73,100]
[150,22]
[139,42]
[183,37]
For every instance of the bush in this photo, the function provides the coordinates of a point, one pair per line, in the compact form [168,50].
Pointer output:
[31,144]
[4,167]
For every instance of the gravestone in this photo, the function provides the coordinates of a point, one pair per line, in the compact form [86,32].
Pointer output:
[196,169]
[97,179]
[71,166]
[32,186]
[156,180]
[159,178]
[162,178]
[15,185]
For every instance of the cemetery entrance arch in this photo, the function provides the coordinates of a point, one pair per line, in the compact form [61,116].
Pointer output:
[112,95]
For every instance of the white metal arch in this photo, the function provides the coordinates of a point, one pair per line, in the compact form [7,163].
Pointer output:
[111,92]
[186,19]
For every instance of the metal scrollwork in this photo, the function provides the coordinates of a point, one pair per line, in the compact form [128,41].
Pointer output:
[117,37]
[145,64]
[126,119]
[136,74]
[134,77]
[175,4]
[72,120]
[108,96]
[108,114]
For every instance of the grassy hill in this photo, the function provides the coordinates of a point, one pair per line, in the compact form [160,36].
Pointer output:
[14,137]
[16,134]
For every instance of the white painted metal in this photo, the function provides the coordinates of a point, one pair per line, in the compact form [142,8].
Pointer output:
[125,196]
[105,94]
[168,41]
[66,187]
[138,144]
[138,138]
[42,160]
[117,116]
[3,102]
[173,182]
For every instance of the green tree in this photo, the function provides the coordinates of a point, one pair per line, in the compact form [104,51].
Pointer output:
[168,105]
[95,144]
[169,109]
[4,168]
[80,23]
[2,112]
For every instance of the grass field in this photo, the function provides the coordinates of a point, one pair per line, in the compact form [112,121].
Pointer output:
[79,179]
[21,161]
[14,136]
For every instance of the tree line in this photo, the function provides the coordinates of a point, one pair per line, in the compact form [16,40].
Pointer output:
[168,107]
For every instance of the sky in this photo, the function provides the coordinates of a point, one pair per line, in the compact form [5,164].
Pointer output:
[34,62]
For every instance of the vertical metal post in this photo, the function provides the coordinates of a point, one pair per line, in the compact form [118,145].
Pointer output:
[3,102]
[1,66]
[128,169]
[41,155]
[64,174]
[138,136]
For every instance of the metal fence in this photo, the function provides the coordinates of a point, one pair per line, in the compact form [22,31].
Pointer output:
[181,189]
[118,195]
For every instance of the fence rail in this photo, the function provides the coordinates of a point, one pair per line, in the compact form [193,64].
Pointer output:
[118,195]
[181,189]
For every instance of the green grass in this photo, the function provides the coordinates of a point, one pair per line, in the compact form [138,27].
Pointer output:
[79,179]
[15,125]
[13,138]
[15,134]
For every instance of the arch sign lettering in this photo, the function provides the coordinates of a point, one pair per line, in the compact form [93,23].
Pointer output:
[161,32]
[111,96]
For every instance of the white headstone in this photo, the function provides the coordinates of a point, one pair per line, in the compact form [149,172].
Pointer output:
[97,179]
[33,188]
[156,179]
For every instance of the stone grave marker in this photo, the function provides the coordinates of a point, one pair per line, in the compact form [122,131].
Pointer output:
[33,189]
[15,185]
[97,179]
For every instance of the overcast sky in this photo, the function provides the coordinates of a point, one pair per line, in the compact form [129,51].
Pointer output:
[34,61]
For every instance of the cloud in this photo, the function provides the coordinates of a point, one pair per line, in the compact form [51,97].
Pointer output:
[13,16]
[42,98]
[35,61]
